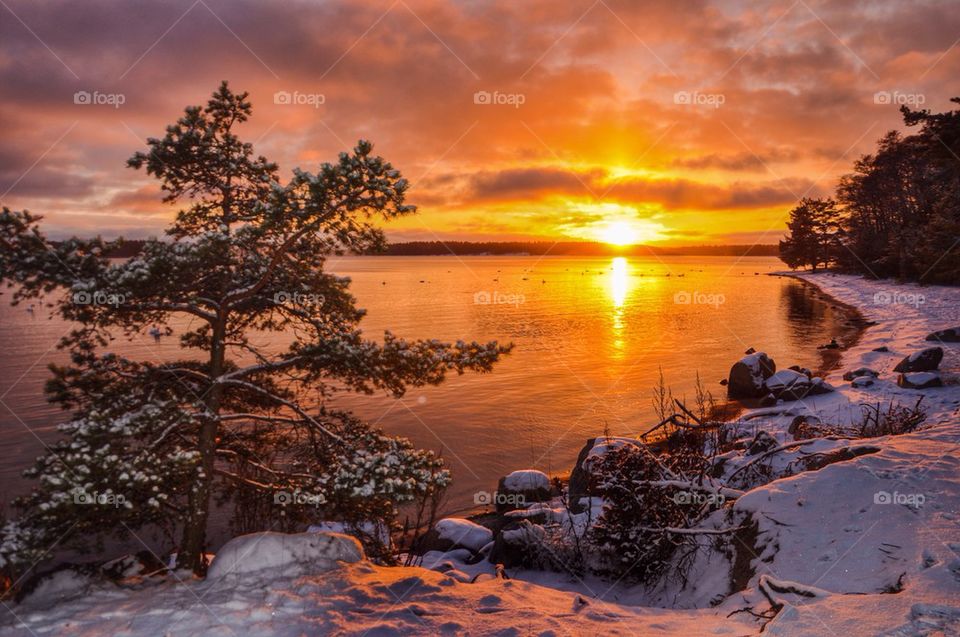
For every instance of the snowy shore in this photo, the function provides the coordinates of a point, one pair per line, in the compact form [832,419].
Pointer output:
[869,545]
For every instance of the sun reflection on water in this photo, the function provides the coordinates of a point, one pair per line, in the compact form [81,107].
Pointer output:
[619,287]
[619,281]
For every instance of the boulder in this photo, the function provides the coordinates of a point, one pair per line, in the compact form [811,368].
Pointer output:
[882,348]
[460,533]
[768,401]
[861,371]
[920,380]
[519,544]
[951,335]
[862,381]
[289,554]
[925,360]
[788,384]
[521,488]
[748,374]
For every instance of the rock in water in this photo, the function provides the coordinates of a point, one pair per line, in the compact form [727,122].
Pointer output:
[920,380]
[951,335]
[925,360]
[748,375]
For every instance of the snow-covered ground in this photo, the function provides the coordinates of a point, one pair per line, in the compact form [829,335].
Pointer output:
[872,543]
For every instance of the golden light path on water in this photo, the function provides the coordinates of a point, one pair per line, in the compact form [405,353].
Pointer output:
[619,288]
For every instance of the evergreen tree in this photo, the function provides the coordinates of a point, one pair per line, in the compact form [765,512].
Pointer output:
[157,442]
[811,226]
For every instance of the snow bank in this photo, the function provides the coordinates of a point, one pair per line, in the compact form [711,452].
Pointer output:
[58,587]
[288,553]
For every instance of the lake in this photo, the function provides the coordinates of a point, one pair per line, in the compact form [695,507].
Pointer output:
[590,336]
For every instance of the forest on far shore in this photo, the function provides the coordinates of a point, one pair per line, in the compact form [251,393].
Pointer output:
[132,248]
[897,214]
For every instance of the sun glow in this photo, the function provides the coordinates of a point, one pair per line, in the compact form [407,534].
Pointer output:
[619,233]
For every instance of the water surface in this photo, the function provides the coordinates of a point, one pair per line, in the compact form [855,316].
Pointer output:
[590,336]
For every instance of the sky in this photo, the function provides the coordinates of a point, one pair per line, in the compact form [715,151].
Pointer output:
[658,121]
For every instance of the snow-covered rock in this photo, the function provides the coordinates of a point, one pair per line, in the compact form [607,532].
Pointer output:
[862,381]
[923,361]
[526,479]
[859,372]
[522,488]
[788,384]
[289,553]
[748,375]
[460,532]
[920,380]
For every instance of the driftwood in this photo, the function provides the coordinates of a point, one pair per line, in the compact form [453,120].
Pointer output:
[681,420]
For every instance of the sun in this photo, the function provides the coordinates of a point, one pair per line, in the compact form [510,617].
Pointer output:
[619,233]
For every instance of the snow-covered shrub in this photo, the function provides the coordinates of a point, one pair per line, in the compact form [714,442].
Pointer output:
[896,419]
[644,504]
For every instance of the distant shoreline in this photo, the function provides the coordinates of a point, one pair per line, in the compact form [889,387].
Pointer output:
[567,248]
[533,248]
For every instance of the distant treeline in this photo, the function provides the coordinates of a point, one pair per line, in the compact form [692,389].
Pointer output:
[568,248]
[897,214]
[537,248]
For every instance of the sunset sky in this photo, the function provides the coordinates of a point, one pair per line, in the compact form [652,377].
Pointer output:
[677,122]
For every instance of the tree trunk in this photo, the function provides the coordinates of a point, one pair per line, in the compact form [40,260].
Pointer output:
[195,529]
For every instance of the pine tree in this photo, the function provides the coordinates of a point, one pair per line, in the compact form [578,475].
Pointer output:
[812,228]
[156,443]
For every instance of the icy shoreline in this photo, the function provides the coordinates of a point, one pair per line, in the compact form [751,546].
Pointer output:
[855,563]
